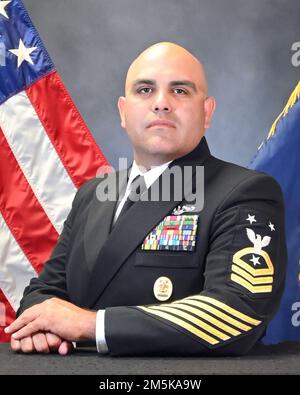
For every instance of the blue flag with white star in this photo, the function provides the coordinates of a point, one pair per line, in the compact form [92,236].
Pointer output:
[279,156]
[22,46]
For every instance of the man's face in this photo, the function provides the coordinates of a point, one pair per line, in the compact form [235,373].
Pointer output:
[165,111]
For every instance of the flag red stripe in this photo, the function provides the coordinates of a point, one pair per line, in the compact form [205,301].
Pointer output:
[9,317]
[66,129]
[22,212]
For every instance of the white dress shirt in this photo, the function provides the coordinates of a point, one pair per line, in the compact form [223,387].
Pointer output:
[150,177]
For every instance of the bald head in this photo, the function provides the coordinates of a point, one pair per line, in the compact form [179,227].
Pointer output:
[163,56]
[166,109]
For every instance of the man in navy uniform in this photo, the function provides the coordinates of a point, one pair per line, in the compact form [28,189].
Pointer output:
[163,277]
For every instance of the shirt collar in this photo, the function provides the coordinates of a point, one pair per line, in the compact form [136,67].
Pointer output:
[150,176]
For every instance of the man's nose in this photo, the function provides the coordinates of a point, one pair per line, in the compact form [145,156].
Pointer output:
[161,102]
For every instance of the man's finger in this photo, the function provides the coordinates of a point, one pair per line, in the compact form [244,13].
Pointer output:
[40,343]
[28,330]
[53,341]
[15,344]
[65,348]
[27,345]
[29,315]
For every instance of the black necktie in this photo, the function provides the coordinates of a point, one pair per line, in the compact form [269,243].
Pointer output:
[137,187]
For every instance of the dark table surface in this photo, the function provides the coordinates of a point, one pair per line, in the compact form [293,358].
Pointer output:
[277,359]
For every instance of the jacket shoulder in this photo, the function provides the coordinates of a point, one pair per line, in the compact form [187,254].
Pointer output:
[233,177]
[86,192]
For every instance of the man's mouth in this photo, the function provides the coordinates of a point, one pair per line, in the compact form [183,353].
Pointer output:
[162,123]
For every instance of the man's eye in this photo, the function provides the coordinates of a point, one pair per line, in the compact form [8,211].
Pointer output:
[180,91]
[144,90]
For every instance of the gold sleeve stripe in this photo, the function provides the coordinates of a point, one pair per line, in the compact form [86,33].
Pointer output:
[207,317]
[249,269]
[183,324]
[237,259]
[193,320]
[251,279]
[220,314]
[226,308]
[251,288]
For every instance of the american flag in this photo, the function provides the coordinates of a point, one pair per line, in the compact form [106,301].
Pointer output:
[46,153]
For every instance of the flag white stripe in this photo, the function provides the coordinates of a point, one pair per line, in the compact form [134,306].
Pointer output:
[37,158]
[15,269]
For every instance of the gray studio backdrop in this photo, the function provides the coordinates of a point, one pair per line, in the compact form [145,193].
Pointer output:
[244,44]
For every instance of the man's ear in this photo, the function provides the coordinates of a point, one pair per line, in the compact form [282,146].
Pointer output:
[121,107]
[209,109]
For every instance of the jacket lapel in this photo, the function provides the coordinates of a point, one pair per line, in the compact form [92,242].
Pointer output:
[132,228]
[99,220]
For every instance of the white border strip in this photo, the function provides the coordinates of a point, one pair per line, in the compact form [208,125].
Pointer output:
[37,158]
[15,269]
